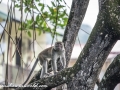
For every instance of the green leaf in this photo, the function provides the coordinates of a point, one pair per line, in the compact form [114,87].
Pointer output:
[37,17]
[17,6]
[37,0]
[40,4]
[61,6]
[51,9]
[29,33]
[42,7]
[53,3]
[39,32]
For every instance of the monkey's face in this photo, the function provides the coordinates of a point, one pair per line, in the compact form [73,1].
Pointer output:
[58,46]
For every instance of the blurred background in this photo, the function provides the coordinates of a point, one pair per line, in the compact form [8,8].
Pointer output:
[20,68]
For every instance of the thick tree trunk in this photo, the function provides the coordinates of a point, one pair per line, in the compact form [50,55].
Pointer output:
[92,57]
[103,37]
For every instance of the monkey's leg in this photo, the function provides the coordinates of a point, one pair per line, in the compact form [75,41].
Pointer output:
[46,66]
[44,69]
[64,62]
[54,66]
[61,60]
[42,73]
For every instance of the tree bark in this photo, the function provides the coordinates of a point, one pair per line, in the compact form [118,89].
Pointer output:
[77,13]
[103,37]
[112,76]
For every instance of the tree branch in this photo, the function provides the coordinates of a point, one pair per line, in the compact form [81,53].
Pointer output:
[112,75]
[61,77]
[77,13]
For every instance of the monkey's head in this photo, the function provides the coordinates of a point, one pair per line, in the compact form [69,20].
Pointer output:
[59,46]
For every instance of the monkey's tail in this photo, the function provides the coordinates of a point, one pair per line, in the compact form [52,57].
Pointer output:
[31,72]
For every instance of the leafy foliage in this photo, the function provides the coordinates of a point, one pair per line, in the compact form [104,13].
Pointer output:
[43,16]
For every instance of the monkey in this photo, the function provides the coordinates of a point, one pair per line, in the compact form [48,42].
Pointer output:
[53,53]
